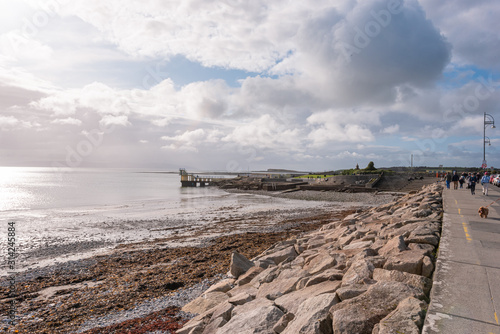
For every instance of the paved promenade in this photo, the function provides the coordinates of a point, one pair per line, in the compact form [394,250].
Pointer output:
[466,294]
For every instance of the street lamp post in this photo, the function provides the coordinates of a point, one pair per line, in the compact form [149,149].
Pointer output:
[487,120]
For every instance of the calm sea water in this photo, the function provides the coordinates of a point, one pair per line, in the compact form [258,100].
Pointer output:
[48,188]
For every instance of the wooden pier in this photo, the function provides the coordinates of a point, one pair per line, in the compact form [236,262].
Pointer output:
[190,180]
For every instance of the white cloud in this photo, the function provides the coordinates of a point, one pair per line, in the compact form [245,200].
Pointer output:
[11,123]
[473,43]
[8,121]
[332,126]
[67,121]
[265,133]
[16,46]
[192,140]
[108,120]
[391,129]
[406,138]
[60,104]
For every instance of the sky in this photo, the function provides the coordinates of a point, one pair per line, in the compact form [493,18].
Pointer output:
[234,85]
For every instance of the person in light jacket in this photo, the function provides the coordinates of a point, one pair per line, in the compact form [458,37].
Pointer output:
[485,182]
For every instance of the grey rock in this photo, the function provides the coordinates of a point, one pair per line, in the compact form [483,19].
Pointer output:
[360,314]
[205,302]
[417,281]
[267,276]
[408,261]
[247,288]
[223,311]
[291,302]
[277,288]
[424,239]
[283,322]
[359,272]
[239,264]
[393,246]
[312,315]
[427,267]
[214,325]
[428,249]
[423,213]
[196,327]
[241,299]
[280,256]
[319,263]
[358,244]
[351,291]
[249,275]
[256,317]
[327,275]
[406,318]
[222,286]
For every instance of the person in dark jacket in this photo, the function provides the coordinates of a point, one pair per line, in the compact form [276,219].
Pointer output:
[461,180]
[472,183]
[448,180]
[455,178]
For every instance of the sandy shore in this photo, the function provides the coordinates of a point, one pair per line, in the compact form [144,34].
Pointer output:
[142,285]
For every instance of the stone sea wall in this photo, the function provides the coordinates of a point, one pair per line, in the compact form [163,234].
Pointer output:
[368,273]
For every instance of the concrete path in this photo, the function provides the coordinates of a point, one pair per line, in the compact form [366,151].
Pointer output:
[465,298]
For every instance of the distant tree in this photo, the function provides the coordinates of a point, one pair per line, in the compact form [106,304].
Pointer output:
[357,167]
[371,166]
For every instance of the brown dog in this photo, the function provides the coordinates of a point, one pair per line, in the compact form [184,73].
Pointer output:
[483,212]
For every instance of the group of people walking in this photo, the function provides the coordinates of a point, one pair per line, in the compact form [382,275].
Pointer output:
[471,179]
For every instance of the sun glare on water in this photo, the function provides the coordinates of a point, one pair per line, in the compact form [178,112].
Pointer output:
[12,194]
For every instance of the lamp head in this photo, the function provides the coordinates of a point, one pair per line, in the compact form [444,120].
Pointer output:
[493,126]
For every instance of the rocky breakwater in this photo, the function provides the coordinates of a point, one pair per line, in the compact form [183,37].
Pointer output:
[368,273]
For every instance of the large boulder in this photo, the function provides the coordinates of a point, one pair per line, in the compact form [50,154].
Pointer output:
[241,299]
[223,311]
[239,264]
[221,286]
[277,288]
[205,302]
[249,275]
[427,267]
[277,257]
[407,318]
[213,326]
[291,302]
[409,261]
[327,275]
[267,276]
[312,315]
[280,326]
[351,291]
[393,246]
[359,244]
[256,317]
[319,263]
[360,314]
[359,272]
[400,276]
